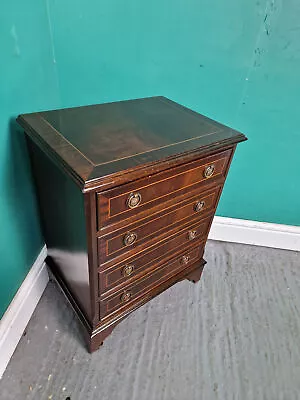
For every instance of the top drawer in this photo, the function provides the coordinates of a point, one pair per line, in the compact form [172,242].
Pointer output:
[133,198]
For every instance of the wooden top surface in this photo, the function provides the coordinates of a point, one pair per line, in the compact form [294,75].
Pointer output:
[98,141]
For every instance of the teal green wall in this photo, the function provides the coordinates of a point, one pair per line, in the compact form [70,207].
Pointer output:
[235,61]
[27,82]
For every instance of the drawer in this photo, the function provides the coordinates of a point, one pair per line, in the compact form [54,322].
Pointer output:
[151,228]
[125,272]
[131,199]
[179,238]
[133,292]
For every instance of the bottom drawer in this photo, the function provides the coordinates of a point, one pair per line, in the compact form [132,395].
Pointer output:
[139,288]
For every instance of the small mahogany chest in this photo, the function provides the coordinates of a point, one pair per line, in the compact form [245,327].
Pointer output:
[127,194]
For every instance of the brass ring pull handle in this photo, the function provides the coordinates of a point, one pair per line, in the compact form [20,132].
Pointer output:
[199,205]
[126,296]
[192,235]
[185,259]
[134,200]
[129,238]
[128,270]
[209,171]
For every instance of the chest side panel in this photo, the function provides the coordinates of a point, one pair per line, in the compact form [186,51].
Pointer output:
[63,220]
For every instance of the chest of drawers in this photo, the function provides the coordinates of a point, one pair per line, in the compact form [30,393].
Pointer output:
[127,192]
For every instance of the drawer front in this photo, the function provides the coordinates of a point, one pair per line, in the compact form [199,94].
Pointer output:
[133,292]
[151,228]
[130,270]
[131,199]
[180,237]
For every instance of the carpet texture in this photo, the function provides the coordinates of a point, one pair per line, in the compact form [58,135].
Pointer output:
[233,335]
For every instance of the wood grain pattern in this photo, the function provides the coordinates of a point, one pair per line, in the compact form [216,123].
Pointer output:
[157,224]
[114,278]
[177,237]
[143,285]
[151,150]
[105,328]
[159,189]
[95,142]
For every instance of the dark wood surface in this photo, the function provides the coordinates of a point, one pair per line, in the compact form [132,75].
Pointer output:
[118,300]
[115,278]
[88,163]
[153,230]
[159,189]
[169,243]
[63,223]
[95,142]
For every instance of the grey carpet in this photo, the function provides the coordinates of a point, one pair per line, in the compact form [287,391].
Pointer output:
[233,335]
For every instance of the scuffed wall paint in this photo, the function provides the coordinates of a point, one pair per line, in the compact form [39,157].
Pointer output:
[235,61]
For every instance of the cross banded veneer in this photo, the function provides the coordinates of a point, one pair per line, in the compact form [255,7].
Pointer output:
[127,194]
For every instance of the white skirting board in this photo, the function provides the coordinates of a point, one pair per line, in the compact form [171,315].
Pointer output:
[255,233]
[20,310]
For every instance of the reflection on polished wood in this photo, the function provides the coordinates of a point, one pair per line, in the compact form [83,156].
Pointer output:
[127,193]
[73,267]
